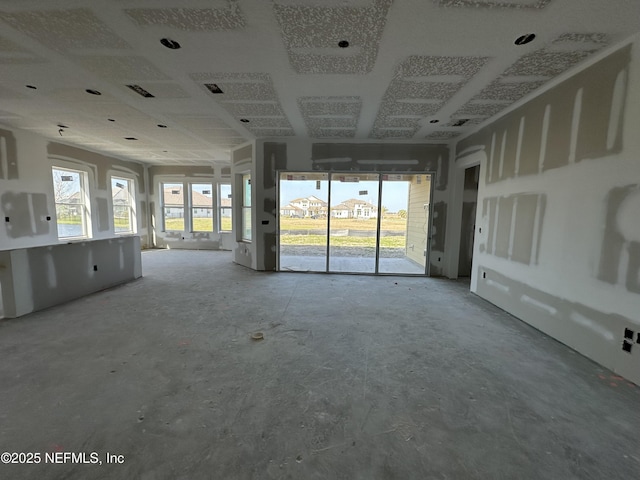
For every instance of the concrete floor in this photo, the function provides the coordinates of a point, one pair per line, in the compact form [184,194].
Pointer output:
[357,378]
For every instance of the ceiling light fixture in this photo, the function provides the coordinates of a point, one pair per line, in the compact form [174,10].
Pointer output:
[92,92]
[343,44]
[524,39]
[32,87]
[171,44]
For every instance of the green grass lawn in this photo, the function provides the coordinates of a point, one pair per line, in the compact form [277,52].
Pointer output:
[319,240]
[199,224]
[387,223]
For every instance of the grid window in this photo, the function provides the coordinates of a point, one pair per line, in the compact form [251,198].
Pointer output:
[72,203]
[123,196]
[201,207]
[173,206]
[246,207]
[225,205]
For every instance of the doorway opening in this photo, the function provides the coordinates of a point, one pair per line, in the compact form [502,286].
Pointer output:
[468,227]
[366,223]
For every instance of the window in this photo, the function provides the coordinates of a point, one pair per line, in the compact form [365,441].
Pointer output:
[124,213]
[173,206]
[72,203]
[246,207]
[225,207]
[201,207]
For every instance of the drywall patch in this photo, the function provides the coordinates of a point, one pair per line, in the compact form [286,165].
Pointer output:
[513,226]
[438,226]
[312,34]
[620,252]
[27,214]
[8,156]
[275,158]
[142,215]
[391,157]
[596,334]
[228,16]
[548,119]
[102,205]
[76,28]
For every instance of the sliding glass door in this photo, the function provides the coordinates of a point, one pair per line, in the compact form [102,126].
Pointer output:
[354,222]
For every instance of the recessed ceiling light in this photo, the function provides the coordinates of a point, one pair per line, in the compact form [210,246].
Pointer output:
[244,120]
[172,44]
[162,126]
[434,121]
[524,39]
[343,44]
[32,87]
[93,92]
[130,138]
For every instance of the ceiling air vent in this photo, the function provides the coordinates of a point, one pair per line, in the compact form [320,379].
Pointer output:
[460,122]
[140,91]
[213,88]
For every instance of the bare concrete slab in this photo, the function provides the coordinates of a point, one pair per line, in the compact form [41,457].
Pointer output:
[357,377]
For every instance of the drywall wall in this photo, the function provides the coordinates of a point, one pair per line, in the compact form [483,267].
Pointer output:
[40,277]
[298,154]
[557,231]
[27,205]
[187,238]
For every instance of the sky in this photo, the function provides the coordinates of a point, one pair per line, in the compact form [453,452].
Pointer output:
[394,194]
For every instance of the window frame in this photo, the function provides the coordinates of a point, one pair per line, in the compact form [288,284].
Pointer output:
[163,205]
[85,203]
[192,207]
[246,209]
[131,204]
[222,208]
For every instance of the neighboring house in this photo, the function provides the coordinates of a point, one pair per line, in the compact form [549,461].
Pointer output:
[202,206]
[310,206]
[354,208]
[291,211]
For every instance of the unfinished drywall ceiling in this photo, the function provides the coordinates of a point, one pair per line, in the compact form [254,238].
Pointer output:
[376,70]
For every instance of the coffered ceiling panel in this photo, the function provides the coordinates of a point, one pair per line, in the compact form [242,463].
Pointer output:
[192,79]
[328,117]
[227,16]
[313,35]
